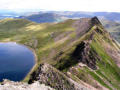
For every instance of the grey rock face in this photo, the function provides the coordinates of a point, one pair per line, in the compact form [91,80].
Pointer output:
[10,85]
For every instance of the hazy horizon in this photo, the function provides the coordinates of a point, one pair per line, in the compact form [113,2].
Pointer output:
[61,5]
[7,11]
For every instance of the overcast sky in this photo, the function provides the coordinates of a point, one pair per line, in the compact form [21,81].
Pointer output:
[64,5]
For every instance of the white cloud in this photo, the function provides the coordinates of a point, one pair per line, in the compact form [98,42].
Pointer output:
[71,5]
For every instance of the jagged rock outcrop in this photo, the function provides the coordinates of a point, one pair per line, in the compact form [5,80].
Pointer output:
[50,76]
[84,54]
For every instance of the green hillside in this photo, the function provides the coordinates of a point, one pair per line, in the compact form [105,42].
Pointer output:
[81,49]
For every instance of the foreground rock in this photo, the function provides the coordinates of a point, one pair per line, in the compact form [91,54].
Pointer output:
[52,77]
[10,85]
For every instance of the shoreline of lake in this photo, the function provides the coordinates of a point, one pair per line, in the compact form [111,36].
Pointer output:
[36,60]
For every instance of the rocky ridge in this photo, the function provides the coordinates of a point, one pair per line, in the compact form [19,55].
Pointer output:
[86,59]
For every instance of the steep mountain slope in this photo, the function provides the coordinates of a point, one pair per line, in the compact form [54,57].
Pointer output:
[81,52]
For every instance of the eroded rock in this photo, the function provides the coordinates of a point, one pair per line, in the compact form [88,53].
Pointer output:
[48,75]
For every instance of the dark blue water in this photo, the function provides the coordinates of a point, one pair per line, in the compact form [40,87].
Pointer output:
[15,61]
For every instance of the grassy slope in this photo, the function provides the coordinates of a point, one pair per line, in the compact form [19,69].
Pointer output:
[42,38]
[108,70]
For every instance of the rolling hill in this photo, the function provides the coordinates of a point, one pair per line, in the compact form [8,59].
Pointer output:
[72,55]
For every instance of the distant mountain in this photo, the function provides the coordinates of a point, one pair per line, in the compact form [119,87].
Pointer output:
[113,28]
[57,16]
[111,25]
[44,17]
[112,16]
[71,14]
